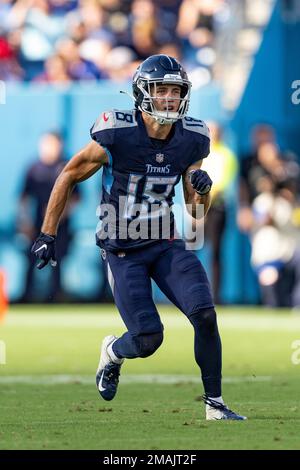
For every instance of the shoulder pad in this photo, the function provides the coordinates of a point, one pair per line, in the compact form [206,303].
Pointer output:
[195,125]
[115,119]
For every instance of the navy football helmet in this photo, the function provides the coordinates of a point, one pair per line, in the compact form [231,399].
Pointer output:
[157,70]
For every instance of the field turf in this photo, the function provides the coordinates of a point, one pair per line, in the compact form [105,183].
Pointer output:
[49,398]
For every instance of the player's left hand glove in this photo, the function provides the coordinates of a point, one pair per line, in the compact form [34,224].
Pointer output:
[44,249]
[200,181]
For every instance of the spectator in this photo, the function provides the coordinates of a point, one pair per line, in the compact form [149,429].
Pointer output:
[77,67]
[263,165]
[222,166]
[91,15]
[39,180]
[144,25]
[119,64]
[196,26]
[269,196]
[56,71]
[275,245]
[96,50]
[9,67]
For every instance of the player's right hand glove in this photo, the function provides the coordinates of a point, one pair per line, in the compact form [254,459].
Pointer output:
[44,249]
[200,181]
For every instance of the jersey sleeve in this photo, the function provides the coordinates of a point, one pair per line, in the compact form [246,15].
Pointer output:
[199,132]
[204,147]
[202,138]
[103,131]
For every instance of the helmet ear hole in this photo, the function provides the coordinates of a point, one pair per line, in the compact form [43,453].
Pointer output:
[184,91]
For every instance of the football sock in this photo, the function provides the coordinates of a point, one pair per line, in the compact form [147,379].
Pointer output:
[112,355]
[208,350]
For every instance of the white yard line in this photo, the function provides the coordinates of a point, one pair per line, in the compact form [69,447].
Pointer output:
[125,379]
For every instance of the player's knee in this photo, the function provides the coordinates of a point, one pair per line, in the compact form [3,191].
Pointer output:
[148,344]
[205,318]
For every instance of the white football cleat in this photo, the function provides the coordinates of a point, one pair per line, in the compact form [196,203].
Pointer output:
[216,411]
[108,372]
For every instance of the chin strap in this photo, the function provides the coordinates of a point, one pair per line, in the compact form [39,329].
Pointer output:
[164,121]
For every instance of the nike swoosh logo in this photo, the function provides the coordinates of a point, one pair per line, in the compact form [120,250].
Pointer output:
[100,388]
[105,117]
[41,248]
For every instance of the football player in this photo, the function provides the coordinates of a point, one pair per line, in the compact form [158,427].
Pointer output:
[144,152]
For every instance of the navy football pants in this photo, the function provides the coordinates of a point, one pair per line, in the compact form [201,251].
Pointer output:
[181,277]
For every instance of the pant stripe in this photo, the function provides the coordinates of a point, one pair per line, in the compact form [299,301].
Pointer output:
[110,278]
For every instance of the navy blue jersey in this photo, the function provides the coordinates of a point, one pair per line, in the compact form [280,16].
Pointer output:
[139,180]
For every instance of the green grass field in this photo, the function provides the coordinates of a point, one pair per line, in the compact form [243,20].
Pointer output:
[49,398]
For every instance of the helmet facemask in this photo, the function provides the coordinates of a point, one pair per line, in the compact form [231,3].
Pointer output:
[148,88]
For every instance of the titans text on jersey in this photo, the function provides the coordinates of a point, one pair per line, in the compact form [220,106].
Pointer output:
[139,180]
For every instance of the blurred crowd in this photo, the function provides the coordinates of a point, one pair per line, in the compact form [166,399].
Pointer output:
[264,187]
[66,40]
[269,211]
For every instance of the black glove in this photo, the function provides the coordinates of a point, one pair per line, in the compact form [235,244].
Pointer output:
[44,249]
[200,181]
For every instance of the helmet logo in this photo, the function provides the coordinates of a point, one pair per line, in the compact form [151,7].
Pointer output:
[159,157]
[172,77]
